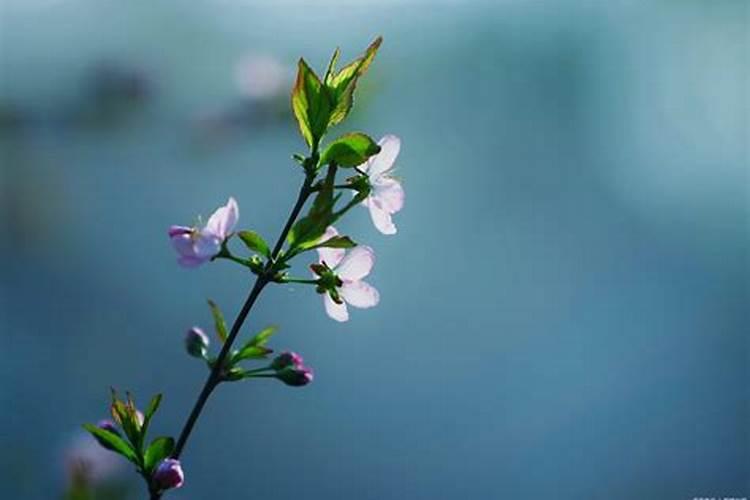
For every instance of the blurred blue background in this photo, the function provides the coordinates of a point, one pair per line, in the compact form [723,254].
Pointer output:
[564,311]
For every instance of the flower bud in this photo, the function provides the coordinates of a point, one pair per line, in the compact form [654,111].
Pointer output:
[286,359]
[139,418]
[168,475]
[296,376]
[196,342]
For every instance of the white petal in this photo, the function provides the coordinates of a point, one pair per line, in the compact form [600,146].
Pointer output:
[207,245]
[334,310]
[356,264]
[183,243]
[223,220]
[381,218]
[389,193]
[360,294]
[390,145]
[331,256]
[330,233]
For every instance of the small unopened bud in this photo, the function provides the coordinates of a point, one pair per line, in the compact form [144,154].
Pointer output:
[286,359]
[168,475]
[296,376]
[139,418]
[196,343]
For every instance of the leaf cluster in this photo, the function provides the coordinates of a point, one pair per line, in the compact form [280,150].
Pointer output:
[134,425]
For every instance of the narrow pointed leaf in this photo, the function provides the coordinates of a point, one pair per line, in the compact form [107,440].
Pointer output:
[344,83]
[255,347]
[251,352]
[358,67]
[152,407]
[112,442]
[150,411]
[261,338]
[337,242]
[219,323]
[255,242]
[330,72]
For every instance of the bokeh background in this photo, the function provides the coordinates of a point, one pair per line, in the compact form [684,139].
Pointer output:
[565,310]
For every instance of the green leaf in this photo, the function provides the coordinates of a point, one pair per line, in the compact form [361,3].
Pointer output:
[125,414]
[356,68]
[308,230]
[159,449]
[330,72]
[350,150]
[261,338]
[255,347]
[255,242]
[219,323]
[153,405]
[344,83]
[337,242]
[312,104]
[112,442]
[251,352]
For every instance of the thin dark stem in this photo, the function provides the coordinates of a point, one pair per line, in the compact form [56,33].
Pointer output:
[304,193]
[215,377]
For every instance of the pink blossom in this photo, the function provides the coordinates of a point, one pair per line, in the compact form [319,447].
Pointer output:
[350,268]
[287,359]
[169,474]
[387,195]
[296,376]
[199,245]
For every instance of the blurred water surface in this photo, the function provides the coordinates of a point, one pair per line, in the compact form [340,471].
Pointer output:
[564,311]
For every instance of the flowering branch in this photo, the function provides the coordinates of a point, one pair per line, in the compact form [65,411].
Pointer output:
[215,376]
[338,273]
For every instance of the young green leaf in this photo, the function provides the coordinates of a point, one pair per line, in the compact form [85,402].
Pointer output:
[159,449]
[255,242]
[310,228]
[356,68]
[343,84]
[251,352]
[261,338]
[153,405]
[125,414]
[350,150]
[112,442]
[219,323]
[312,104]
[337,242]
[331,71]
[255,348]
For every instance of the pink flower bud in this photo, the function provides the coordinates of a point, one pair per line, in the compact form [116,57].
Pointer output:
[295,376]
[168,475]
[286,359]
